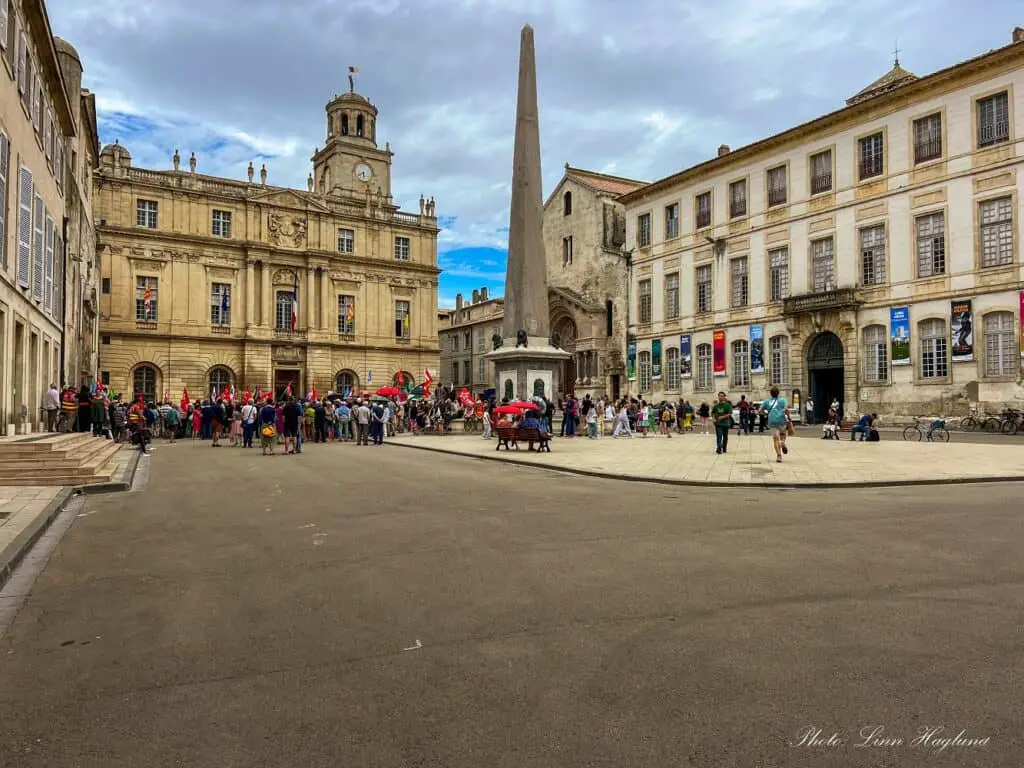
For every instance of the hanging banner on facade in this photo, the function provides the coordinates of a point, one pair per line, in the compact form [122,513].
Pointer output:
[961,323]
[631,361]
[686,354]
[757,349]
[656,359]
[718,352]
[899,333]
[1021,316]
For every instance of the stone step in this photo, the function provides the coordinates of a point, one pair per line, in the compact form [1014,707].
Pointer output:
[35,444]
[83,479]
[95,467]
[73,455]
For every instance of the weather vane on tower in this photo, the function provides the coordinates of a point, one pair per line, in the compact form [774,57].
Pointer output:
[352,72]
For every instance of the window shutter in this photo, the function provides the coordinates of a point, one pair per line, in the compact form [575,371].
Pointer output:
[48,274]
[24,226]
[58,275]
[21,61]
[5,158]
[37,250]
[48,133]
[4,21]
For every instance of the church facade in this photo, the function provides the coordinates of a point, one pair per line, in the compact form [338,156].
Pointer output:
[212,282]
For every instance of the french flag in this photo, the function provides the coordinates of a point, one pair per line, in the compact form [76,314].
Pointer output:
[295,303]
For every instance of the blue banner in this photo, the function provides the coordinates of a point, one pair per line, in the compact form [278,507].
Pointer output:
[757,349]
[631,361]
[899,333]
[685,356]
[656,359]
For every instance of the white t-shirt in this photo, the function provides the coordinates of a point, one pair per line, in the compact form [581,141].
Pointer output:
[248,413]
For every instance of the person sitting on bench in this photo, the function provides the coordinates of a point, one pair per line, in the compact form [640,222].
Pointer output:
[863,426]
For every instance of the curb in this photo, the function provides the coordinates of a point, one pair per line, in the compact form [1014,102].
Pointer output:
[114,486]
[719,483]
[14,552]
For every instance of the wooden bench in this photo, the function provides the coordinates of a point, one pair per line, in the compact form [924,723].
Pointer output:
[510,437]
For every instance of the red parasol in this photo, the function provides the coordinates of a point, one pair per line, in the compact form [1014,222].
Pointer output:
[389,391]
[508,410]
[524,406]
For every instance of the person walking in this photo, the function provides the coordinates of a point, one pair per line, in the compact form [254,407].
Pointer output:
[172,420]
[249,415]
[778,421]
[704,412]
[51,407]
[378,424]
[362,421]
[292,418]
[268,427]
[592,422]
[622,421]
[721,414]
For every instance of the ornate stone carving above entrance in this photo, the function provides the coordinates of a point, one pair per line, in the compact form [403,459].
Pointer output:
[288,353]
[284,277]
[286,230]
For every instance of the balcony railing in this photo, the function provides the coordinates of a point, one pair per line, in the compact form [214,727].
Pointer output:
[821,182]
[289,335]
[837,298]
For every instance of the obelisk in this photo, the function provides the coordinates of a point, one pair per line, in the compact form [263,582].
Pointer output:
[526,364]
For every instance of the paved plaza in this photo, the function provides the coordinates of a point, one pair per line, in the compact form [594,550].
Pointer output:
[750,459]
[387,607]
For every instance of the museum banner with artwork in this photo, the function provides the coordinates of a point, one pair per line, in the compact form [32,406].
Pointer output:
[656,359]
[757,349]
[686,354]
[899,334]
[961,324]
[718,352]
[631,361]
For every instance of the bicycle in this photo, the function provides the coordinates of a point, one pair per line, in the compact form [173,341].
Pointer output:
[1012,421]
[992,423]
[936,431]
[970,422]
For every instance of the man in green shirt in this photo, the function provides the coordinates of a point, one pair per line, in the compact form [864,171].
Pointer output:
[721,413]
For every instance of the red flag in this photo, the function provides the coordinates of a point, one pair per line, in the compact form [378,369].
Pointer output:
[288,390]
[295,303]
[313,396]
[185,401]
[248,394]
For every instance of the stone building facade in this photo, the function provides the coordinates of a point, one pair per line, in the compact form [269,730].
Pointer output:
[584,231]
[80,357]
[202,275]
[871,255]
[37,119]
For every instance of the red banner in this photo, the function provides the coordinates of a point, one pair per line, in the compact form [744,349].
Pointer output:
[718,352]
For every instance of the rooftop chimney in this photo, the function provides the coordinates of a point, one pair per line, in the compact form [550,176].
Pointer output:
[483,294]
[1018,34]
[476,296]
[458,302]
[723,150]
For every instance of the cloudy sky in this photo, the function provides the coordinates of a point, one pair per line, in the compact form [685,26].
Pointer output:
[641,88]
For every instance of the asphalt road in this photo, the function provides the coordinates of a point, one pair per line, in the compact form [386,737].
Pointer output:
[385,607]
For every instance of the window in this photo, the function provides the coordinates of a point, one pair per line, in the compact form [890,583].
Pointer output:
[993,120]
[872,255]
[1001,355]
[567,204]
[345,382]
[739,282]
[671,221]
[468,338]
[479,339]
[37,250]
[672,296]
[740,364]
[567,251]
[37,98]
[402,248]
[609,311]
[821,172]
[702,205]
[221,225]
[778,273]
[455,342]
[105,378]
[996,232]
[672,368]
[402,319]
[703,281]
[703,366]
[876,354]
[220,304]
[823,267]
[928,138]
[146,213]
[144,383]
[48,134]
[778,360]
[219,380]
[455,372]
[644,300]
[466,378]
[346,241]
[146,289]
[105,285]
[347,314]
[934,363]
[22,62]
[870,151]
[24,226]
[738,199]
[48,234]
[643,230]
[283,307]
[777,186]
[5,157]
[6,26]
[481,372]
[645,371]
[931,244]
[58,276]
[104,340]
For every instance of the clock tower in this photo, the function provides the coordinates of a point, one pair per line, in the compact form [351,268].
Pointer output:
[350,164]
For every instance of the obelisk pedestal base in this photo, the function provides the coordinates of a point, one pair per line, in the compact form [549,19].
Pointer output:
[523,373]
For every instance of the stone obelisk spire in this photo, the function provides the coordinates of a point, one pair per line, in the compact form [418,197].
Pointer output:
[526,289]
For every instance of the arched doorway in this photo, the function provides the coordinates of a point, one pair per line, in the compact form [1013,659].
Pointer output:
[564,328]
[825,372]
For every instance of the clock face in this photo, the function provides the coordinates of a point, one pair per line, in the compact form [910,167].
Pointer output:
[363,172]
